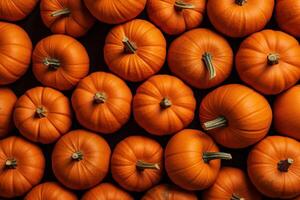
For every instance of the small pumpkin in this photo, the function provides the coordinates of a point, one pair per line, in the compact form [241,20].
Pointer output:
[274,167]
[43,115]
[135,50]
[235,116]
[137,163]
[22,166]
[60,61]
[192,159]
[80,159]
[163,105]
[239,18]
[176,16]
[66,17]
[102,102]
[201,58]
[269,61]
[15,10]
[50,191]
[106,191]
[232,183]
[15,52]
[7,103]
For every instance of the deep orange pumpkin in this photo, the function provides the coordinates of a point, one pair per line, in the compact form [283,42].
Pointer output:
[14,10]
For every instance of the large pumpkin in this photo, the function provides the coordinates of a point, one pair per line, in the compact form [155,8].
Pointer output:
[21,166]
[235,115]
[163,105]
[15,52]
[14,10]
[102,102]
[43,114]
[137,163]
[192,159]
[274,167]
[238,18]
[269,61]
[115,11]
[80,159]
[176,16]
[7,103]
[66,17]
[60,61]
[135,50]
[201,58]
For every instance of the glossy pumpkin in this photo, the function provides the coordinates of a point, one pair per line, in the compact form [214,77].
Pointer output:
[14,10]
[15,52]
[21,166]
[137,163]
[239,18]
[235,116]
[274,167]
[7,103]
[66,17]
[176,16]
[60,61]
[115,11]
[201,58]
[135,50]
[80,159]
[43,115]
[163,105]
[102,102]
[192,159]
[269,61]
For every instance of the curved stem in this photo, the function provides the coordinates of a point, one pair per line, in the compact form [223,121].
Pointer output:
[208,156]
[273,58]
[41,112]
[182,5]
[65,11]
[207,58]
[11,163]
[216,123]
[100,97]
[129,46]
[141,165]
[77,156]
[165,103]
[51,63]
[236,197]
[240,2]
[284,165]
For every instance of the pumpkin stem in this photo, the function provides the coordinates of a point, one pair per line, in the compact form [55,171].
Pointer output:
[52,63]
[129,46]
[236,197]
[273,58]
[41,112]
[11,163]
[284,165]
[207,58]
[100,97]
[77,156]
[141,165]
[165,103]
[240,2]
[65,11]
[180,5]
[208,156]
[216,123]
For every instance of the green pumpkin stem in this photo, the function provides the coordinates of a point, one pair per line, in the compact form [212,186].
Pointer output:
[100,97]
[273,59]
[240,2]
[165,103]
[11,163]
[207,59]
[236,197]
[65,11]
[77,156]
[208,156]
[284,165]
[129,46]
[142,165]
[216,123]
[41,112]
[180,5]
[51,63]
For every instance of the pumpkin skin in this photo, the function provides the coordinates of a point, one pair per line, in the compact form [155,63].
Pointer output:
[15,10]
[192,159]
[239,18]
[137,163]
[7,103]
[232,183]
[66,17]
[135,50]
[22,166]
[235,116]
[60,61]
[15,53]
[106,191]
[176,16]
[273,167]
[269,61]
[80,159]
[43,114]
[163,105]
[102,102]
[115,11]
[185,54]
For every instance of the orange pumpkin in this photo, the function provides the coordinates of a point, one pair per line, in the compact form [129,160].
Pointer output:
[135,50]
[115,11]
[66,17]
[274,167]
[43,114]
[7,103]
[102,102]
[192,159]
[269,61]
[80,159]
[176,16]
[238,18]
[60,61]
[15,52]
[201,58]
[22,166]
[163,105]
[14,10]
[235,116]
